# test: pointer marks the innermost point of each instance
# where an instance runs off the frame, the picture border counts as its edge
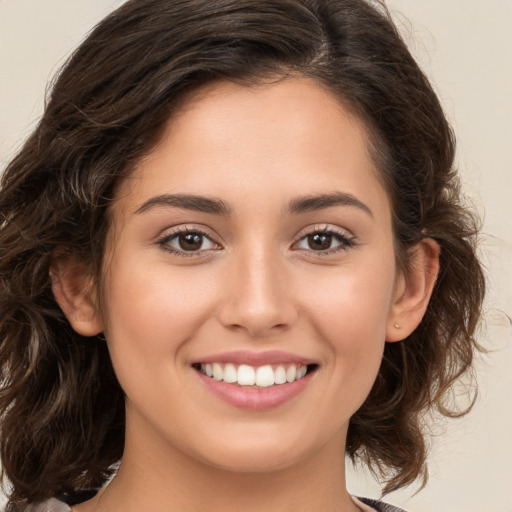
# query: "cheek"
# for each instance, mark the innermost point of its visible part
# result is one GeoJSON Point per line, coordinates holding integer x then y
{"type": "Point", "coordinates": [150, 314]}
{"type": "Point", "coordinates": [349, 310]}
{"type": "Point", "coordinates": [353, 299]}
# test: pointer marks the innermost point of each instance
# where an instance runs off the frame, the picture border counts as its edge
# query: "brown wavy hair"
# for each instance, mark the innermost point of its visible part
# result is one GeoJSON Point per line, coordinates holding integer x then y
{"type": "Point", "coordinates": [61, 407]}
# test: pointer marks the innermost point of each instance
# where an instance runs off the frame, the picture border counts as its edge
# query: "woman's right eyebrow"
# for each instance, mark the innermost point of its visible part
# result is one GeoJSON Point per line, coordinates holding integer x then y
{"type": "Point", "coordinates": [188, 202]}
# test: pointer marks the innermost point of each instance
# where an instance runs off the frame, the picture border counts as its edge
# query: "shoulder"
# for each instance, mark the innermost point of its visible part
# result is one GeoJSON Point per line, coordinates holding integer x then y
{"type": "Point", "coordinates": [378, 506]}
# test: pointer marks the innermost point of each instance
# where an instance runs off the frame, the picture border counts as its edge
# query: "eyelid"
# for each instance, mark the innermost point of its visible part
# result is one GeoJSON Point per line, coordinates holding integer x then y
{"type": "Point", "coordinates": [348, 237]}
{"type": "Point", "coordinates": [324, 228]}
{"type": "Point", "coordinates": [188, 228]}
{"type": "Point", "coordinates": [168, 235]}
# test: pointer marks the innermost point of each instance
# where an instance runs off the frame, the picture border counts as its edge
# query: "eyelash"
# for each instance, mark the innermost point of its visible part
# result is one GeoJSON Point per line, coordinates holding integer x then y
{"type": "Point", "coordinates": [345, 242]}
{"type": "Point", "coordinates": [169, 237]}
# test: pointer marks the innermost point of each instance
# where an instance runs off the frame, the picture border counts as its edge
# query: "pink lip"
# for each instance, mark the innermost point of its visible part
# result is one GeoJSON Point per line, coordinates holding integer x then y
{"type": "Point", "coordinates": [255, 399]}
{"type": "Point", "coordinates": [255, 358]}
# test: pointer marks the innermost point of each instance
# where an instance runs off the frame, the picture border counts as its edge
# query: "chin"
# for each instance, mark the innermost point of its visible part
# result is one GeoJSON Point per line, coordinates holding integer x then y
{"type": "Point", "coordinates": [248, 463]}
{"type": "Point", "coordinates": [253, 459]}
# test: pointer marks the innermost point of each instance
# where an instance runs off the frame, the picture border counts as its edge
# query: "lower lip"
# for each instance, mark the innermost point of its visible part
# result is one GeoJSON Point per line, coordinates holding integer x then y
{"type": "Point", "coordinates": [255, 399]}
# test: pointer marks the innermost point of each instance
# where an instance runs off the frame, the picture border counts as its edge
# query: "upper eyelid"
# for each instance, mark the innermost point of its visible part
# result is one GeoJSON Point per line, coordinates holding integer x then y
{"type": "Point", "coordinates": [177, 230]}
{"type": "Point", "coordinates": [346, 239]}
{"type": "Point", "coordinates": [164, 242]}
{"type": "Point", "coordinates": [319, 227]}
{"type": "Point", "coordinates": [324, 228]}
{"type": "Point", "coordinates": [170, 232]}
{"type": "Point", "coordinates": [349, 239]}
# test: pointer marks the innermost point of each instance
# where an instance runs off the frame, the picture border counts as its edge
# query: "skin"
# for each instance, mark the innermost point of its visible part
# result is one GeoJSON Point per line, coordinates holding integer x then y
{"type": "Point", "coordinates": [255, 284]}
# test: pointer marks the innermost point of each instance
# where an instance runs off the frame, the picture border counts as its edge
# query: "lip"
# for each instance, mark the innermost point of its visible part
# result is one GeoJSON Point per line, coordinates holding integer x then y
{"type": "Point", "coordinates": [249, 398]}
{"type": "Point", "coordinates": [256, 358]}
{"type": "Point", "coordinates": [255, 399]}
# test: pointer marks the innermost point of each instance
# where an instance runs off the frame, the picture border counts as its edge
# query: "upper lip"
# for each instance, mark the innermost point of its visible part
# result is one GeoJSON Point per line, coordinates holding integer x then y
{"type": "Point", "coordinates": [255, 358]}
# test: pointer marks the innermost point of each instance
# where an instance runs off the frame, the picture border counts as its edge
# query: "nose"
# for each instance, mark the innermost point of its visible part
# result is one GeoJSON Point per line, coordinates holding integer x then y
{"type": "Point", "coordinates": [258, 298]}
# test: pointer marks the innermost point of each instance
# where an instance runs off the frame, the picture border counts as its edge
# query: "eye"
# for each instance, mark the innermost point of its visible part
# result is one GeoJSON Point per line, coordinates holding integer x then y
{"type": "Point", "coordinates": [188, 241]}
{"type": "Point", "coordinates": [325, 241]}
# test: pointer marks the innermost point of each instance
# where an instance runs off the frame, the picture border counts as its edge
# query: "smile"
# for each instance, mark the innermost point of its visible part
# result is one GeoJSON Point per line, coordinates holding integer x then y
{"type": "Point", "coordinates": [258, 376]}
{"type": "Point", "coordinates": [256, 381]}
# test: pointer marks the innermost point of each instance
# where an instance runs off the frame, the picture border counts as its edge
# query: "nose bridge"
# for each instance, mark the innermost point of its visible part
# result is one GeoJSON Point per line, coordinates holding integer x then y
{"type": "Point", "coordinates": [258, 298]}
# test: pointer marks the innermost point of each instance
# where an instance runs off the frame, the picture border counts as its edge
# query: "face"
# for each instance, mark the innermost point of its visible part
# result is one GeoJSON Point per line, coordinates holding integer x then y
{"type": "Point", "coordinates": [254, 244]}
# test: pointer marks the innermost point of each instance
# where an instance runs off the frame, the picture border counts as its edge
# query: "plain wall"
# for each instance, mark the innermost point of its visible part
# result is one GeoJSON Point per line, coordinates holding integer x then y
{"type": "Point", "coordinates": [465, 46]}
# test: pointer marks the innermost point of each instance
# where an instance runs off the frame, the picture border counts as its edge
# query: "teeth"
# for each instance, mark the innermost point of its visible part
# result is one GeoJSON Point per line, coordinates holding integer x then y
{"type": "Point", "coordinates": [261, 376]}
{"type": "Point", "coordinates": [291, 373]}
{"type": "Point", "coordinates": [246, 375]}
{"type": "Point", "coordinates": [230, 374]}
{"type": "Point", "coordinates": [217, 371]}
{"type": "Point", "coordinates": [265, 376]}
{"type": "Point", "coordinates": [280, 375]}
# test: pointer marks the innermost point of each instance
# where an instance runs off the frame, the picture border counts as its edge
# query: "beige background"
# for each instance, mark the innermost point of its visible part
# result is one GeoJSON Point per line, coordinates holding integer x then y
{"type": "Point", "coordinates": [466, 48]}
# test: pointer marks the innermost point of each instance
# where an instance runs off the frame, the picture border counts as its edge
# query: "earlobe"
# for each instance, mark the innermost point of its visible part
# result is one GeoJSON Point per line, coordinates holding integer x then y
{"type": "Point", "coordinates": [413, 290]}
{"type": "Point", "coordinates": [74, 292]}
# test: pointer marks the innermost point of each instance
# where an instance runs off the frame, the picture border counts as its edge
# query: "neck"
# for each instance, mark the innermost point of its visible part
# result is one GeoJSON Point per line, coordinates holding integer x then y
{"type": "Point", "coordinates": [156, 476]}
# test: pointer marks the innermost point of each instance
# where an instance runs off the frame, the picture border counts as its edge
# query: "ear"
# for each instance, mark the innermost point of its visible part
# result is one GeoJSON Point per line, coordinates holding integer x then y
{"type": "Point", "coordinates": [75, 293]}
{"type": "Point", "coordinates": [413, 289]}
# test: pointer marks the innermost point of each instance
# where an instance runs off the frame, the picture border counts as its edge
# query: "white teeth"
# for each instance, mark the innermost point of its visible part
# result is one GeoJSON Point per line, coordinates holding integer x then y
{"type": "Point", "coordinates": [230, 373]}
{"type": "Point", "coordinates": [265, 376]}
{"type": "Point", "coordinates": [261, 376]}
{"type": "Point", "coordinates": [280, 375]}
{"type": "Point", "coordinates": [217, 371]}
{"type": "Point", "coordinates": [291, 373]}
{"type": "Point", "coordinates": [246, 375]}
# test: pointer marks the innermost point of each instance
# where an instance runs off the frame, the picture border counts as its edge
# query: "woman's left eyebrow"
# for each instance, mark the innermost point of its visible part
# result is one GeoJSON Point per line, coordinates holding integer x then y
{"type": "Point", "coordinates": [321, 201]}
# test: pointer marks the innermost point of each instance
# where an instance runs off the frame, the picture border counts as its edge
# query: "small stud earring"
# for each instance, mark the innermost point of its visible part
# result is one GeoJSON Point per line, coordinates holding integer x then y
{"type": "Point", "coordinates": [397, 325]}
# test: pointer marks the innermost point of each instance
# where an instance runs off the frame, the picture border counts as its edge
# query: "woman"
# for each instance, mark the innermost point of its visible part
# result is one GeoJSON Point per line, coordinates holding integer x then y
{"type": "Point", "coordinates": [233, 251]}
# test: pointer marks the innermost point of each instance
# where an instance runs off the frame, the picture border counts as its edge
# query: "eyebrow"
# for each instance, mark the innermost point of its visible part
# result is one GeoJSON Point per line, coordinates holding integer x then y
{"type": "Point", "coordinates": [187, 202]}
{"type": "Point", "coordinates": [218, 207]}
{"type": "Point", "coordinates": [321, 201]}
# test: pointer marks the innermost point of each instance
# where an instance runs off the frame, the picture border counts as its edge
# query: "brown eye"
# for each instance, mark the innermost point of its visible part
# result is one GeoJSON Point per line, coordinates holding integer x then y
{"type": "Point", "coordinates": [319, 241]}
{"type": "Point", "coordinates": [325, 242]}
{"type": "Point", "coordinates": [190, 241]}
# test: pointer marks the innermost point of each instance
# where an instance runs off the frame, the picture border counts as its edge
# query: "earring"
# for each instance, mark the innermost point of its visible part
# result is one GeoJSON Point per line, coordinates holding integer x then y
{"type": "Point", "coordinates": [397, 325]}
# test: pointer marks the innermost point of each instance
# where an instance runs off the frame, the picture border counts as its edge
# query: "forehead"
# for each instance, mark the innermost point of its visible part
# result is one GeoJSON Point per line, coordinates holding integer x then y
{"type": "Point", "coordinates": [292, 136]}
